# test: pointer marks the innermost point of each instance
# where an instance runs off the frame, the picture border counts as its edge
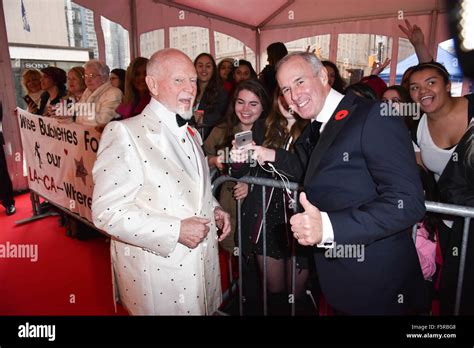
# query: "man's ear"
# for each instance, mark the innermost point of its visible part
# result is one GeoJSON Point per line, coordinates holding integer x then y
{"type": "Point", "coordinates": [152, 84]}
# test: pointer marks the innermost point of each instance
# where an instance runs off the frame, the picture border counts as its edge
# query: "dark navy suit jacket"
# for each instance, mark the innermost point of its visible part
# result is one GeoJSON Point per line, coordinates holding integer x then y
{"type": "Point", "coordinates": [363, 173]}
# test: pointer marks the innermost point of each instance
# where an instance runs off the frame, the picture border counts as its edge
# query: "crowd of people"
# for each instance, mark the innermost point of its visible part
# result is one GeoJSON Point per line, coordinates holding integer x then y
{"type": "Point", "coordinates": [353, 183]}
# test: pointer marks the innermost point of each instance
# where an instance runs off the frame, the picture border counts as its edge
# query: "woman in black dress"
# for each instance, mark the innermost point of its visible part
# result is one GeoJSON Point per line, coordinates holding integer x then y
{"type": "Point", "coordinates": [282, 129]}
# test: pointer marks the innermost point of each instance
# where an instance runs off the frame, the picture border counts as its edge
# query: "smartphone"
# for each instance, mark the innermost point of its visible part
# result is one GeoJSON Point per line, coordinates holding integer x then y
{"type": "Point", "coordinates": [28, 99]}
{"type": "Point", "coordinates": [243, 138]}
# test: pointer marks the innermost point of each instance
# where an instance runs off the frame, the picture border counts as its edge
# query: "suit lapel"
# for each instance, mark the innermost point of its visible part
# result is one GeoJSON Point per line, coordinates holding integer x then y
{"type": "Point", "coordinates": [339, 118]}
{"type": "Point", "coordinates": [159, 134]}
{"type": "Point", "coordinates": [201, 162]}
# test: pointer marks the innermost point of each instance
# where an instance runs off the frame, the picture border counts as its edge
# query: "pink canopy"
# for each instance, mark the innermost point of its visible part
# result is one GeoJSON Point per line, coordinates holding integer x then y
{"type": "Point", "coordinates": [255, 23]}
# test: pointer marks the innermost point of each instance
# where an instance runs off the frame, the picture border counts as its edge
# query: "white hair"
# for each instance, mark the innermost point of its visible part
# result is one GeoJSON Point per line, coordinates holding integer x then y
{"type": "Point", "coordinates": [311, 58]}
{"type": "Point", "coordinates": [102, 68]}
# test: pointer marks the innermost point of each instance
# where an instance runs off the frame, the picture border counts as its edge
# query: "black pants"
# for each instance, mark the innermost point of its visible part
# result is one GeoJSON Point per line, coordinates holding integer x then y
{"type": "Point", "coordinates": [6, 188]}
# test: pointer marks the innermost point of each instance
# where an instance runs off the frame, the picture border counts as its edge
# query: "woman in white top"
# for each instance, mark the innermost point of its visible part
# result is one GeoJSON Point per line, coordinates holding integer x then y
{"type": "Point", "coordinates": [444, 136]}
{"type": "Point", "coordinates": [445, 120]}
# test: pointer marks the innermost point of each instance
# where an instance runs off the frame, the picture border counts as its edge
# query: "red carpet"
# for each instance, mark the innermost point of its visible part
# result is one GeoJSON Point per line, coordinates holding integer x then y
{"type": "Point", "coordinates": [70, 277]}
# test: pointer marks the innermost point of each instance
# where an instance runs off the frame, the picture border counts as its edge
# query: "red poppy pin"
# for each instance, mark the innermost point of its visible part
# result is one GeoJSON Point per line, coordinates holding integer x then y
{"type": "Point", "coordinates": [190, 131]}
{"type": "Point", "coordinates": [341, 114]}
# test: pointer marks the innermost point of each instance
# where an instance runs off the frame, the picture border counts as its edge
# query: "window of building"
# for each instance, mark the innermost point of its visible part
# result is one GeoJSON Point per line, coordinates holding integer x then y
{"type": "Point", "coordinates": [319, 43]}
{"type": "Point", "coordinates": [179, 39]}
{"type": "Point", "coordinates": [117, 46]}
{"type": "Point", "coordinates": [152, 41]}
{"type": "Point", "coordinates": [356, 54]}
{"type": "Point", "coordinates": [229, 47]}
{"type": "Point", "coordinates": [405, 59]}
{"type": "Point", "coordinates": [446, 55]}
{"type": "Point", "coordinates": [66, 39]}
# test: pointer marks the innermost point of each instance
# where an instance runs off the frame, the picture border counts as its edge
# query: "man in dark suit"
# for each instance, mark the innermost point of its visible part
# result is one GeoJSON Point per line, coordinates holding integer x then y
{"type": "Point", "coordinates": [361, 194]}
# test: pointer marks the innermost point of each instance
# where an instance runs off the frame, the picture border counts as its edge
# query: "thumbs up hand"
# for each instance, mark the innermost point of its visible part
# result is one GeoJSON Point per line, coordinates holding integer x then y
{"type": "Point", "coordinates": [307, 227]}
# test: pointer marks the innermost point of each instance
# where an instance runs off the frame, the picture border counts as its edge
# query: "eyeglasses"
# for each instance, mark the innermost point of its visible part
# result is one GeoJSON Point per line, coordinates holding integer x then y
{"type": "Point", "coordinates": [90, 76]}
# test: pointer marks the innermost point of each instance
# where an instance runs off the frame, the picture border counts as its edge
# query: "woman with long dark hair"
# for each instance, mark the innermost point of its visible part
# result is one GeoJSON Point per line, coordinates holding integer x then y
{"type": "Point", "coordinates": [211, 98]}
{"type": "Point", "coordinates": [136, 95]}
{"type": "Point", "coordinates": [248, 106]}
{"type": "Point", "coordinates": [282, 128]}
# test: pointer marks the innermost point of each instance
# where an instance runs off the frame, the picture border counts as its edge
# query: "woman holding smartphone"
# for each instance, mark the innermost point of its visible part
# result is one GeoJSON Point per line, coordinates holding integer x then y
{"type": "Point", "coordinates": [282, 129]}
{"type": "Point", "coordinates": [31, 83]}
{"type": "Point", "coordinates": [249, 103]}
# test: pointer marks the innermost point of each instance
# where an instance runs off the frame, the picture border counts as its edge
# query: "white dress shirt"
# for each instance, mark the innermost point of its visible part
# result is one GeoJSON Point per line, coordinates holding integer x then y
{"type": "Point", "coordinates": [181, 134]}
{"type": "Point", "coordinates": [332, 101]}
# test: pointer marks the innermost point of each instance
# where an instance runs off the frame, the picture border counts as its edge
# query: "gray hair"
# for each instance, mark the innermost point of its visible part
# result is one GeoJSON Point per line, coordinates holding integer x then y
{"type": "Point", "coordinates": [311, 58]}
{"type": "Point", "coordinates": [102, 68]}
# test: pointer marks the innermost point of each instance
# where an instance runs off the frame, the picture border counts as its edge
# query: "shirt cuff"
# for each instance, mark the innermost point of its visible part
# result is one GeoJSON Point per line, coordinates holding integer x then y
{"type": "Point", "coordinates": [328, 232]}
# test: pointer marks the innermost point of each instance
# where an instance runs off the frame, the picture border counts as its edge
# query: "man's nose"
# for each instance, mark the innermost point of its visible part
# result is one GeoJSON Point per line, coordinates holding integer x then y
{"type": "Point", "coordinates": [293, 95]}
{"type": "Point", "coordinates": [190, 87]}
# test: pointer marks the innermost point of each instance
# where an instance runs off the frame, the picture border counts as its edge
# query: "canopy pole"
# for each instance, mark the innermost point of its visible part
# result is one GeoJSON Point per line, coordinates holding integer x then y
{"type": "Point", "coordinates": [333, 45]}
{"type": "Point", "coordinates": [258, 54]}
{"type": "Point", "coordinates": [100, 38]}
{"type": "Point", "coordinates": [134, 39]}
{"type": "Point", "coordinates": [394, 60]}
{"type": "Point", "coordinates": [432, 38]}
{"type": "Point", "coordinates": [11, 130]}
{"type": "Point", "coordinates": [212, 41]}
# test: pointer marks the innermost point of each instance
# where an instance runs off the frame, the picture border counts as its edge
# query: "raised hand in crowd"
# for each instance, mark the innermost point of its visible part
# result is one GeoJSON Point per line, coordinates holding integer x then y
{"type": "Point", "coordinates": [308, 48]}
{"type": "Point", "coordinates": [307, 227]}
{"type": "Point", "coordinates": [378, 67]}
{"type": "Point", "coordinates": [417, 39]}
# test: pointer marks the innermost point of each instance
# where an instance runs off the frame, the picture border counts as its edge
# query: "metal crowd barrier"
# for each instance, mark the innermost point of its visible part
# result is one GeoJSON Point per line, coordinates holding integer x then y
{"type": "Point", "coordinates": [467, 213]}
{"type": "Point", "coordinates": [263, 182]}
{"type": "Point", "coordinates": [434, 207]}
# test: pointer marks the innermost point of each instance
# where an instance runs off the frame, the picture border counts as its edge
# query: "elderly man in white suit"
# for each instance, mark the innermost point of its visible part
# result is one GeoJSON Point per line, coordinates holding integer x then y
{"type": "Point", "coordinates": [153, 196]}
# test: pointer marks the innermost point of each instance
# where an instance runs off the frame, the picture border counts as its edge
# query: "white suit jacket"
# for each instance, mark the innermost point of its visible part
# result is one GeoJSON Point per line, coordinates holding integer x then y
{"type": "Point", "coordinates": [144, 186]}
